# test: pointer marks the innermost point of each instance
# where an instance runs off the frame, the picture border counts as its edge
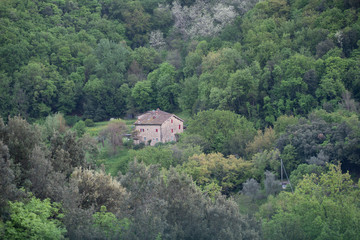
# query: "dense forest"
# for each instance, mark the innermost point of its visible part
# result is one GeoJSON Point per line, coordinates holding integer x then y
{"type": "Point", "coordinates": [259, 83]}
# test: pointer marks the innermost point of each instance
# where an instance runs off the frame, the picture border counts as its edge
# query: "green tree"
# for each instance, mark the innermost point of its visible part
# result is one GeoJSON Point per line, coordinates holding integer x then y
{"type": "Point", "coordinates": [268, 160]}
{"type": "Point", "coordinates": [20, 138]}
{"type": "Point", "coordinates": [104, 92]}
{"type": "Point", "coordinates": [218, 127]}
{"type": "Point", "coordinates": [262, 141]}
{"type": "Point", "coordinates": [189, 94]}
{"type": "Point", "coordinates": [147, 58]}
{"type": "Point", "coordinates": [283, 122]}
{"type": "Point", "coordinates": [228, 172]}
{"type": "Point", "coordinates": [79, 128]}
{"type": "Point", "coordinates": [112, 61]}
{"type": "Point", "coordinates": [143, 95]}
{"type": "Point", "coordinates": [243, 89]}
{"type": "Point", "coordinates": [67, 152]}
{"type": "Point", "coordinates": [8, 190]}
{"type": "Point", "coordinates": [153, 155]}
{"type": "Point", "coordinates": [165, 86]}
{"type": "Point", "coordinates": [39, 87]}
{"type": "Point", "coordinates": [334, 134]}
{"type": "Point", "coordinates": [53, 123]}
{"type": "Point", "coordinates": [70, 92]}
{"type": "Point", "coordinates": [99, 189]}
{"type": "Point", "coordinates": [34, 219]}
{"type": "Point", "coordinates": [108, 225]}
{"type": "Point", "coordinates": [172, 206]}
{"type": "Point", "coordinates": [322, 207]}
{"type": "Point", "coordinates": [332, 84]}
{"type": "Point", "coordinates": [137, 22]}
{"type": "Point", "coordinates": [302, 170]}
{"type": "Point", "coordinates": [6, 103]}
{"type": "Point", "coordinates": [192, 64]}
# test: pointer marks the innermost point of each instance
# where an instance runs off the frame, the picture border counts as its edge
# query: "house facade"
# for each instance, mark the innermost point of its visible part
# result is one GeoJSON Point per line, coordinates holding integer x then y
{"type": "Point", "coordinates": [157, 126]}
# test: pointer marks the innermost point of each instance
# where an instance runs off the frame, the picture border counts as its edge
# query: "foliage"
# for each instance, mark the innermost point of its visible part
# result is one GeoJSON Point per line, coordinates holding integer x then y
{"type": "Point", "coordinates": [53, 123]}
{"type": "Point", "coordinates": [20, 137]}
{"type": "Point", "coordinates": [153, 155]}
{"type": "Point", "coordinates": [233, 66]}
{"type": "Point", "coordinates": [265, 161]}
{"type": "Point", "coordinates": [67, 152]}
{"type": "Point", "coordinates": [302, 170]}
{"type": "Point", "coordinates": [251, 188]}
{"type": "Point", "coordinates": [283, 122]}
{"type": "Point", "coordinates": [170, 204]}
{"type": "Point", "coordinates": [89, 123]}
{"type": "Point", "coordinates": [228, 172]}
{"type": "Point", "coordinates": [108, 225]}
{"type": "Point", "coordinates": [98, 189]}
{"type": "Point", "coordinates": [34, 219]}
{"type": "Point", "coordinates": [271, 185]}
{"type": "Point", "coordinates": [337, 139]}
{"type": "Point", "coordinates": [113, 132]}
{"type": "Point", "coordinates": [182, 152]}
{"type": "Point", "coordinates": [8, 190]}
{"type": "Point", "coordinates": [163, 83]}
{"type": "Point", "coordinates": [323, 207]}
{"type": "Point", "coordinates": [79, 128]}
{"type": "Point", "coordinates": [262, 141]}
{"type": "Point", "coordinates": [142, 95]}
{"type": "Point", "coordinates": [261, 60]}
{"type": "Point", "coordinates": [218, 127]}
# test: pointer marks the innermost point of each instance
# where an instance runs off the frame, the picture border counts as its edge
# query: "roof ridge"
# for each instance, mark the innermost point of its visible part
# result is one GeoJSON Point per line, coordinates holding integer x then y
{"type": "Point", "coordinates": [154, 117]}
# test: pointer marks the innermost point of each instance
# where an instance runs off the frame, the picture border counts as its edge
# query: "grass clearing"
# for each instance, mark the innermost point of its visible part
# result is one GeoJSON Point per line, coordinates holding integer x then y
{"type": "Point", "coordinates": [95, 130]}
{"type": "Point", "coordinates": [112, 162]}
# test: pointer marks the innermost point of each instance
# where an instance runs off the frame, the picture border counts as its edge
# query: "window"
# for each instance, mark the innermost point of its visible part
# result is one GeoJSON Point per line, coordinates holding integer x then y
{"type": "Point", "coordinates": [144, 138]}
{"type": "Point", "coordinates": [179, 126]}
{"type": "Point", "coordinates": [172, 121]}
{"type": "Point", "coordinates": [157, 139]}
{"type": "Point", "coordinates": [156, 130]}
{"type": "Point", "coordinates": [172, 130]}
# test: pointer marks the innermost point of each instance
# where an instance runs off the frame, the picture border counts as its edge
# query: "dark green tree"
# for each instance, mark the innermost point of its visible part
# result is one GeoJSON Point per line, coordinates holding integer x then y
{"type": "Point", "coordinates": [218, 128]}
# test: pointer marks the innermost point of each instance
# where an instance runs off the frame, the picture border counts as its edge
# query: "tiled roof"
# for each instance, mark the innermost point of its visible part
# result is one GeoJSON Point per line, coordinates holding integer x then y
{"type": "Point", "coordinates": [154, 117]}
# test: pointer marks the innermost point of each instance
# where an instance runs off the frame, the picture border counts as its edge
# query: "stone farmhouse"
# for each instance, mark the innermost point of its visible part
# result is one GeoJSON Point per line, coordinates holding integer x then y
{"type": "Point", "coordinates": [157, 126]}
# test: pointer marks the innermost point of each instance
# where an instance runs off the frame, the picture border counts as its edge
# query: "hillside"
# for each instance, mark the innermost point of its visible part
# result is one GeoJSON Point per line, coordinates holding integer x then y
{"type": "Point", "coordinates": [102, 59]}
{"type": "Point", "coordinates": [269, 91]}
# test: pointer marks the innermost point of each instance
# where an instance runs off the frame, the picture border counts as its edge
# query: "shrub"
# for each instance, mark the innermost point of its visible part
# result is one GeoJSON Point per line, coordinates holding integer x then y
{"type": "Point", "coordinates": [89, 123]}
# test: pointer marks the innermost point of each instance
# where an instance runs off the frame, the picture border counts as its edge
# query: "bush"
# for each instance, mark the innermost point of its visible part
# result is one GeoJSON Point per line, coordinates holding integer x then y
{"type": "Point", "coordinates": [139, 146]}
{"type": "Point", "coordinates": [79, 128]}
{"type": "Point", "coordinates": [71, 120]}
{"type": "Point", "coordinates": [89, 123]}
{"type": "Point", "coordinates": [129, 144]}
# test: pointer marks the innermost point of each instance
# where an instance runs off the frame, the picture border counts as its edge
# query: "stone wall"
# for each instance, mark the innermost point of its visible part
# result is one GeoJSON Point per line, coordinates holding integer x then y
{"type": "Point", "coordinates": [171, 127]}
{"type": "Point", "coordinates": [149, 133]}
{"type": "Point", "coordinates": [165, 133]}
